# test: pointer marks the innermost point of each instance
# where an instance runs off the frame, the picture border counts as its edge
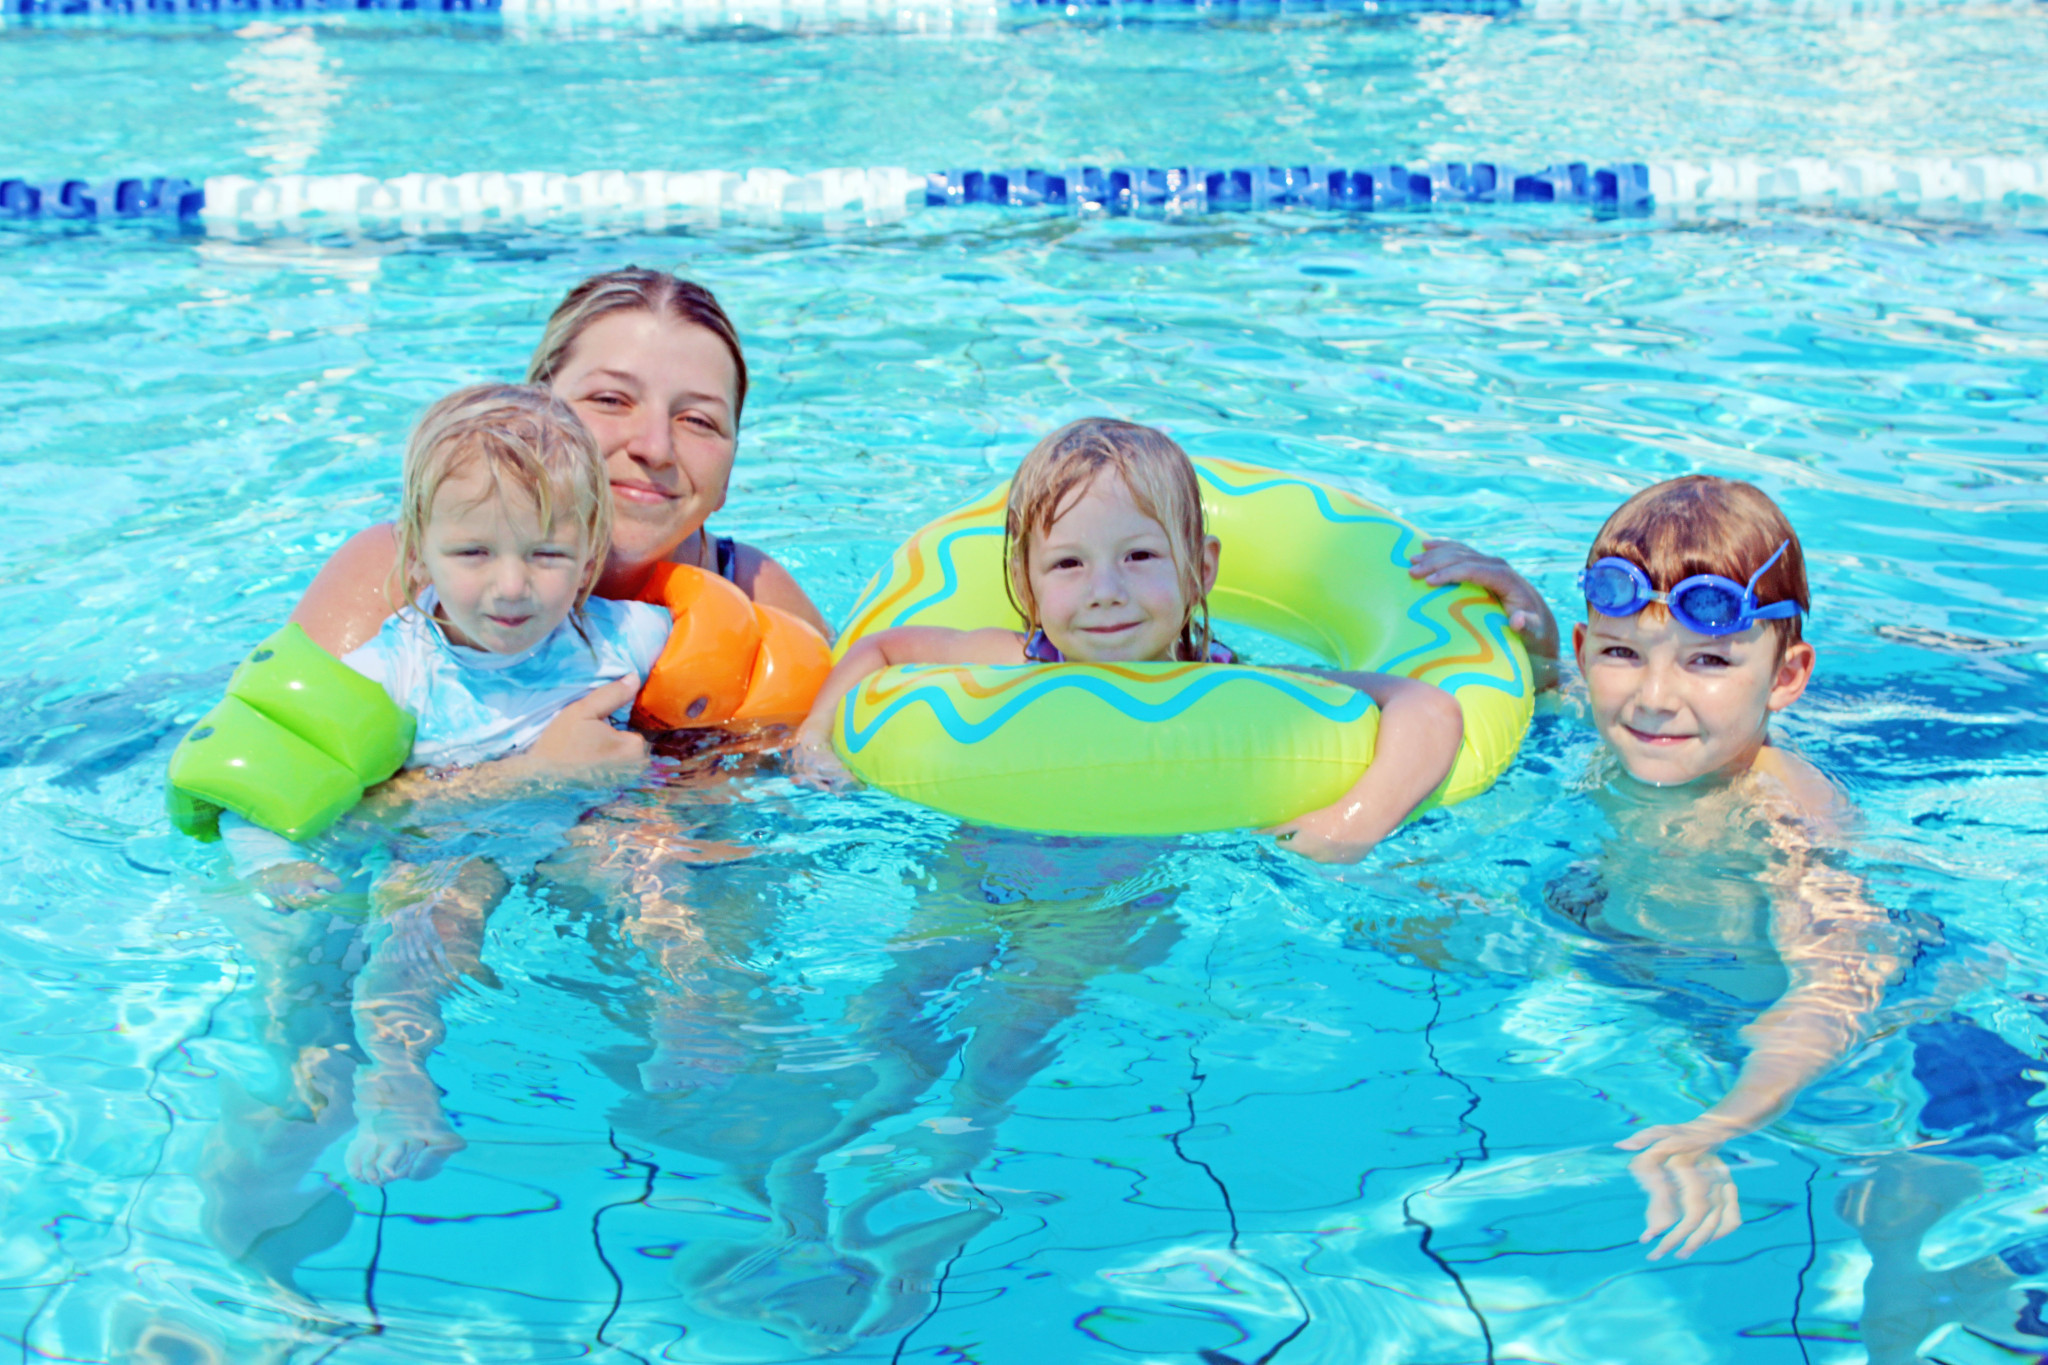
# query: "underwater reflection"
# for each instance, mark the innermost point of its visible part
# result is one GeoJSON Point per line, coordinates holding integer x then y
{"type": "Point", "coordinates": [803, 1092]}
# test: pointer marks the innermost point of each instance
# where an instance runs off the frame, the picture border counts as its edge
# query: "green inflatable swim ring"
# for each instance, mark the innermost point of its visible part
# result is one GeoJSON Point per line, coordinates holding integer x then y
{"type": "Point", "coordinates": [291, 746]}
{"type": "Point", "coordinates": [1171, 748]}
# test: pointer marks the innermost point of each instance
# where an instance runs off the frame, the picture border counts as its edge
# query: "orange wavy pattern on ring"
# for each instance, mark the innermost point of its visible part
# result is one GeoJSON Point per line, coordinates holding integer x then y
{"type": "Point", "coordinates": [1254, 471]}
{"type": "Point", "coordinates": [914, 552]}
{"type": "Point", "coordinates": [1487, 653]}
{"type": "Point", "coordinates": [875, 693]}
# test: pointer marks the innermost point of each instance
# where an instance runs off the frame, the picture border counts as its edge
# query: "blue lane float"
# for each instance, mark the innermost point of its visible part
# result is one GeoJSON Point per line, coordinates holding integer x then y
{"type": "Point", "coordinates": [159, 197]}
{"type": "Point", "coordinates": [1330, 187]}
{"type": "Point", "coordinates": [476, 200]}
{"type": "Point", "coordinates": [82, 9]}
{"type": "Point", "coordinates": [1114, 189]}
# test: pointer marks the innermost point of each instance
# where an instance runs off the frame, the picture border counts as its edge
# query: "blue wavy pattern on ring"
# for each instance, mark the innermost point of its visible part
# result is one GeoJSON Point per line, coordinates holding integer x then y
{"type": "Point", "coordinates": [1436, 628]}
{"type": "Point", "coordinates": [1496, 626]}
{"type": "Point", "coordinates": [950, 582]}
{"type": "Point", "coordinates": [963, 731]}
{"type": "Point", "coordinates": [1323, 505]}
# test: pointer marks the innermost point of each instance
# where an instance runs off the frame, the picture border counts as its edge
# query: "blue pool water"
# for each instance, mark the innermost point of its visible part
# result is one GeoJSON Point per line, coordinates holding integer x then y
{"type": "Point", "coordinates": [968, 1096]}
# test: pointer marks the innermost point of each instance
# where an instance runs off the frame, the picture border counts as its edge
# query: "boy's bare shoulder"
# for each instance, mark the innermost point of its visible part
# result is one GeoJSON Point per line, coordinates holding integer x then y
{"type": "Point", "coordinates": [1803, 788]}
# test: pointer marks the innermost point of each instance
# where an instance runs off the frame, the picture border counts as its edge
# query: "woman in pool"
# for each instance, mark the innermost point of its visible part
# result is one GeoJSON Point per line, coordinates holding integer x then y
{"type": "Point", "coordinates": [653, 366]}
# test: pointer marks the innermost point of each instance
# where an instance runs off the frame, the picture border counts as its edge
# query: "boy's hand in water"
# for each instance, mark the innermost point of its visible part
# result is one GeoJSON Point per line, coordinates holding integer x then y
{"type": "Point", "coordinates": [1446, 561]}
{"type": "Point", "coordinates": [582, 742]}
{"type": "Point", "coordinates": [1691, 1193]}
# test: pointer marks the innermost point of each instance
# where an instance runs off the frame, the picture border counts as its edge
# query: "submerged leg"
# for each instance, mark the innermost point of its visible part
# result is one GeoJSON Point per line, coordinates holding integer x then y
{"type": "Point", "coordinates": [1904, 1301]}
{"type": "Point", "coordinates": [263, 1203]}
{"type": "Point", "coordinates": [427, 935]}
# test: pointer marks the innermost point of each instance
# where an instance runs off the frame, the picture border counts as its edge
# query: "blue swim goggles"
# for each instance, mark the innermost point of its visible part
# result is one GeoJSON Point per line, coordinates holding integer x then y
{"type": "Point", "coordinates": [1706, 603]}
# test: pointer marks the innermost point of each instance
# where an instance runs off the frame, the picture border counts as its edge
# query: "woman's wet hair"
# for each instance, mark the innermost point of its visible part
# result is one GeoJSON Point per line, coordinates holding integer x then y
{"type": "Point", "coordinates": [532, 446]}
{"type": "Point", "coordinates": [1162, 483]}
{"type": "Point", "coordinates": [1703, 524]}
{"type": "Point", "coordinates": [635, 290]}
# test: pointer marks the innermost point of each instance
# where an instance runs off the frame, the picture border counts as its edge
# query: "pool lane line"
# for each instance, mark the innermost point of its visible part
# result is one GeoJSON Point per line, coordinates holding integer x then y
{"type": "Point", "coordinates": [557, 18]}
{"type": "Point", "coordinates": [627, 1161]}
{"type": "Point", "coordinates": [1458, 1161]}
{"type": "Point", "coordinates": [421, 202]}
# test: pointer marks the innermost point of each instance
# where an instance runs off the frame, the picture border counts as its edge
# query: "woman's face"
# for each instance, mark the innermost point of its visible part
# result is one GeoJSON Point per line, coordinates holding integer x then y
{"type": "Point", "coordinates": [659, 394]}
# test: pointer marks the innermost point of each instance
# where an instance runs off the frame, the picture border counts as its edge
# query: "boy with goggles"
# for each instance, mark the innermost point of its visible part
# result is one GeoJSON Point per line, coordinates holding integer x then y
{"type": "Point", "coordinates": [1731, 858]}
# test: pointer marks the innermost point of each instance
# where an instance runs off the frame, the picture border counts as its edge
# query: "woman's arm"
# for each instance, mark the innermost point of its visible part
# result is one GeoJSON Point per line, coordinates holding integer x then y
{"type": "Point", "coordinates": [768, 583]}
{"type": "Point", "coordinates": [812, 757]}
{"type": "Point", "coordinates": [346, 602]}
{"type": "Point", "coordinates": [1420, 731]}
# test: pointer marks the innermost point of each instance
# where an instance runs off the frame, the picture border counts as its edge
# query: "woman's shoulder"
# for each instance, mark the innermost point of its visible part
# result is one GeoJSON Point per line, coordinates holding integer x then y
{"type": "Point", "coordinates": [760, 576]}
{"type": "Point", "coordinates": [347, 601]}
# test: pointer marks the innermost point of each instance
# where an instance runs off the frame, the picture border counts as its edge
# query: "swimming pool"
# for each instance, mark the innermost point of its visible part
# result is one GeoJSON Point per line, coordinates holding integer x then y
{"type": "Point", "coordinates": [969, 1096]}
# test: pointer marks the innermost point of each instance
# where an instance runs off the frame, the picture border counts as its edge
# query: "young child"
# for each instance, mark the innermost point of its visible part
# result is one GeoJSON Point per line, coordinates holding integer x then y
{"type": "Point", "coordinates": [1109, 562]}
{"type": "Point", "coordinates": [1695, 592]}
{"type": "Point", "coordinates": [503, 529]}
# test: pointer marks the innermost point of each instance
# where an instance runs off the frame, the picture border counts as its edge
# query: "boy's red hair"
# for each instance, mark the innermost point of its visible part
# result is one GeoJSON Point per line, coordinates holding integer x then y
{"type": "Point", "coordinates": [1702, 524]}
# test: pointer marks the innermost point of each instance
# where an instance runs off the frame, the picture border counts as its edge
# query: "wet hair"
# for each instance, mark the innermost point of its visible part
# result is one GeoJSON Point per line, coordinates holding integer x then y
{"type": "Point", "coordinates": [1702, 524]}
{"type": "Point", "coordinates": [635, 290]}
{"type": "Point", "coordinates": [530, 442]}
{"type": "Point", "coordinates": [1162, 483]}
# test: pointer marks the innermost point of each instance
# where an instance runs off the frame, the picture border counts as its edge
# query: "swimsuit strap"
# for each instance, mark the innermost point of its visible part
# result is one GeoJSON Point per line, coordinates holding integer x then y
{"type": "Point", "coordinates": [1040, 650]}
{"type": "Point", "coordinates": [726, 557]}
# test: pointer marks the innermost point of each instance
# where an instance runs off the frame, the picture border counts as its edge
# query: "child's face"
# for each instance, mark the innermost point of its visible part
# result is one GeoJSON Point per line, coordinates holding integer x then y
{"type": "Point", "coordinates": [504, 580]}
{"type": "Point", "coordinates": [1104, 579]}
{"type": "Point", "coordinates": [1675, 705]}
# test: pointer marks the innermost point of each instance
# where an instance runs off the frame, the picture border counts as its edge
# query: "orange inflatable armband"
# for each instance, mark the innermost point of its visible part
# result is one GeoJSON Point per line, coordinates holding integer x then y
{"type": "Point", "coordinates": [729, 660]}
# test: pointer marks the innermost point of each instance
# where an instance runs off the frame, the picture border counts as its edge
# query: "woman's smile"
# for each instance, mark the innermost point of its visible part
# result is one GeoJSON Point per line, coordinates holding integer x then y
{"type": "Point", "coordinates": [644, 494]}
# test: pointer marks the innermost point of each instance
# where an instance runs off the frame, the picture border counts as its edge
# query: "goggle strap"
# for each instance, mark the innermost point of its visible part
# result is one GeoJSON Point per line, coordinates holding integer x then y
{"type": "Point", "coordinates": [1749, 588]}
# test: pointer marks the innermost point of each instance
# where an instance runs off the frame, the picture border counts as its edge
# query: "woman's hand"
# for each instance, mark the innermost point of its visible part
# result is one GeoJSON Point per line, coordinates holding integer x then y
{"type": "Point", "coordinates": [582, 742]}
{"type": "Point", "coordinates": [1446, 561]}
{"type": "Point", "coordinates": [1679, 1166]}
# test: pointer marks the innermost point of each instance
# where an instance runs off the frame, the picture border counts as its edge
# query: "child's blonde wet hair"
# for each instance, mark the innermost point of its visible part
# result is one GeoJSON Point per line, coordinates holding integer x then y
{"type": "Point", "coordinates": [1162, 482]}
{"type": "Point", "coordinates": [530, 443]}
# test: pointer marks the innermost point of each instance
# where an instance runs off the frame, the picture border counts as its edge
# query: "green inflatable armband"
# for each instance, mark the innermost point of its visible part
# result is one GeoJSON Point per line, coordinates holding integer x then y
{"type": "Point", "coordinates": [291, 746]}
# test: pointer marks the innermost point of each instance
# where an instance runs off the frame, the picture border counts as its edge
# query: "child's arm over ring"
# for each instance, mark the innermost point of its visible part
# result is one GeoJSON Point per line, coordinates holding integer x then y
{"type": "Point", "coordinates": [1446, 561]}
{"type": "Point", "coordinates": [811, 758]}
{"type": "Point", "coordinates": [1421, 728]}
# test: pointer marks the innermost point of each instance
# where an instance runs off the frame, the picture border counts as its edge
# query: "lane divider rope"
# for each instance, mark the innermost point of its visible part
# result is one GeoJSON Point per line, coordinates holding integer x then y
{"type": "Point", "coordinates": [413, 202]}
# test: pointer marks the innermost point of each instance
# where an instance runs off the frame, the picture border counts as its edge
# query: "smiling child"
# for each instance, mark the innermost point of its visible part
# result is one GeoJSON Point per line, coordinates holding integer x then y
{"type": "Point", "coordinates": [1722, 881]}
{"type": "Point", "coordinates": [1110, 562]}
